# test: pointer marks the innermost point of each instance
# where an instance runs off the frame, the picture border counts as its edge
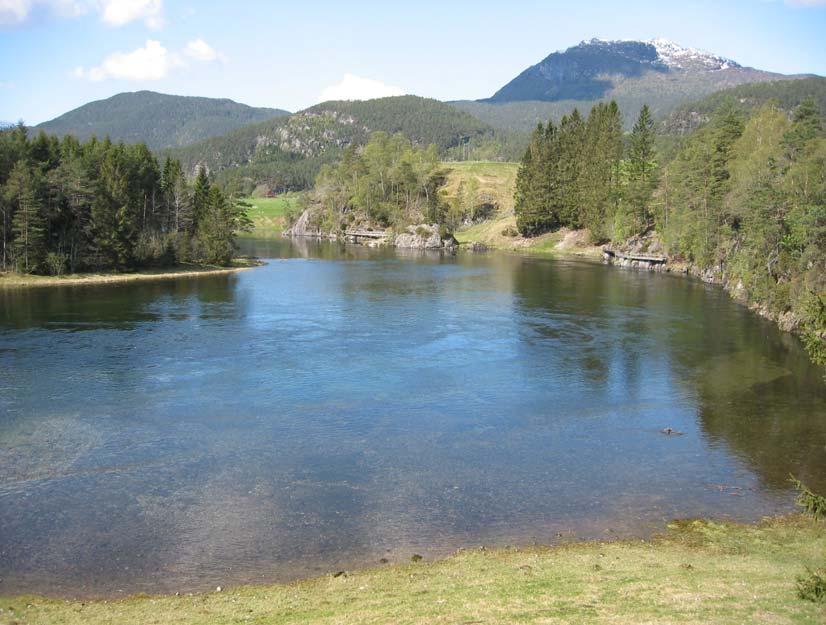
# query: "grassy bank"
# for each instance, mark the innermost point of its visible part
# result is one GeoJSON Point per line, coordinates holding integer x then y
{"type": "Point", "coordinates": [496, 183]}
{"type": "Point", "coordinates": [19, 280]}
{"type": "Point", "coordinates": [500, 233]}
{"type": "Point", "coordinates": [269, 215]}
{"type": "Point", "coordinates": [697, 572]}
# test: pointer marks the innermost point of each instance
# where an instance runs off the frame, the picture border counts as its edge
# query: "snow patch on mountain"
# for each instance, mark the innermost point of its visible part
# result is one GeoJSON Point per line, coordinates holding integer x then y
{"type": "Point", "coordinates": [677, 56]}
{"type": "Point", "coordinates": [668, 53]}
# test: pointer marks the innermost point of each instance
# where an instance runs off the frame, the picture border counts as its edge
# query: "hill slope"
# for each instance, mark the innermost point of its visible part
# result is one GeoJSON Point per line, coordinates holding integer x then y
{"type": "Point", "coordinates": [660, 73]}
{"type": "Point", "coordinates": [159, 120]}
{"type": "Point", "coordinates": [287, 152]}
{"type": "Point", "coordinates": [786, 94]}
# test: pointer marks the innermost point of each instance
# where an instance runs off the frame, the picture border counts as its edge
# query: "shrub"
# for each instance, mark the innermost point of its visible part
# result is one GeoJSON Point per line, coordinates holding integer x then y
{"type": "Point", "coordinates": [812, 586]}
{"type": "Point", "coordinates": [56, 263]}
{"type": "Point", "coordinates": [510, 231]}
{"type": "Point", "coordinates": [812, 504]}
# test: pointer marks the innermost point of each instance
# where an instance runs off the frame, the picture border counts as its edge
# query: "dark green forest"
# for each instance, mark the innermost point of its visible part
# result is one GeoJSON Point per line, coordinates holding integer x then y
{"type": "Point", "coordinates": [287, 153]}
{"type": "Point", "coordinates": [742, 200]}
{"type": "Point", "coordinates": [67, 206]}
{"type": "Point", "coordinates": [157, 119]}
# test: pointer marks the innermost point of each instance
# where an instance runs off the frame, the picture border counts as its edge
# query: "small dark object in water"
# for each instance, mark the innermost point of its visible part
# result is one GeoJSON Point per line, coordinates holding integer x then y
{"type": "Point", "coordinates": [339, 573]}
{"type": "Point", "coordinates": [384, 561]}
{"type": "Point", "coordinates": [416, 557]}
{"type": "Point", "coordinates": [670, 432]}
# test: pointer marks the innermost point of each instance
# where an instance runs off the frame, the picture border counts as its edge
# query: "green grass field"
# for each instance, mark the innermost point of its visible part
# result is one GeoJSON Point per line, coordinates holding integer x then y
{"type": "Point", "coordinates": [697, 573]}
{"type": "Point", "coordinates": [269, 214]}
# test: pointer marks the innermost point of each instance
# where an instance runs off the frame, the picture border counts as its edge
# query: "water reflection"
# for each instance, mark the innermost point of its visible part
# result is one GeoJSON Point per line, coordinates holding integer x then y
{"type": "Point", "coordinates": [312, 415]}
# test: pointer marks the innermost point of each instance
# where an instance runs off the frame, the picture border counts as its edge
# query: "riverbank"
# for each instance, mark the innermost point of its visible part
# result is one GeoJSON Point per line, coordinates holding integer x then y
{"type": "Point", "coordinates": [501, 234]}
{"type": "Point", "coordinates": [695, 572]}
{"type": "Point", "coordinates": [187, 270]}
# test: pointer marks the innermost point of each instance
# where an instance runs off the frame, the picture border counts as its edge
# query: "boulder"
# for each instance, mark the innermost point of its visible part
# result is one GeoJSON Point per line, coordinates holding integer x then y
{"type": "Point", "coordinates": [424, 237]}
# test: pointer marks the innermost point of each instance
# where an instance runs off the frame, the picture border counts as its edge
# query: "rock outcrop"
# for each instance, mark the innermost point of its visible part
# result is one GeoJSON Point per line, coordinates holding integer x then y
{"type": "Point", "coordinates": [425, 237]}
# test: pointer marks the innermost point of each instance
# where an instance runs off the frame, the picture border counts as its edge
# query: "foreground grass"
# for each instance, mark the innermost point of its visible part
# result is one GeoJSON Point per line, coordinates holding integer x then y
{"type": "Point", "coordinates": [184, 270]}
{"type": "Point", "coordinates": [699, 572]}
{"type": "Point", "coordinates": [269, 214]}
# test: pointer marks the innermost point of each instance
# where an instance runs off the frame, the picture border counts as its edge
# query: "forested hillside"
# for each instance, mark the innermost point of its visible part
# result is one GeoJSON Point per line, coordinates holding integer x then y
{"type": "Point", "coordinates": [156, 119]}
{"type": "Point", "coordinates": [743, 201]}
{"type": "Point", "coordinates": [784, 94]}
{"type": "Point", "coordinates": [288, 153]}
{"type": "Point", "coordinates": [72, 206]}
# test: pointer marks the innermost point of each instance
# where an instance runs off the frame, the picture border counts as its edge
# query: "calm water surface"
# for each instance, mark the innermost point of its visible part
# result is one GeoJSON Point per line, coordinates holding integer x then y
{"type": "Point", "coordinates": [339, 406]}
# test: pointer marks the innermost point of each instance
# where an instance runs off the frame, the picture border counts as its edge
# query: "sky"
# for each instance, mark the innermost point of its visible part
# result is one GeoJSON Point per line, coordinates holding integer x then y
{"type": "Point", "coordinates": [56, 55]}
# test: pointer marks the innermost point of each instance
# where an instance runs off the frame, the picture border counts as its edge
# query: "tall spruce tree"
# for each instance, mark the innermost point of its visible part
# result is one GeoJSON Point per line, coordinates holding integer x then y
{"type": "Point", "coordinates": [27, 224]}
{"type": "Point", "coordinates": [641, 169]}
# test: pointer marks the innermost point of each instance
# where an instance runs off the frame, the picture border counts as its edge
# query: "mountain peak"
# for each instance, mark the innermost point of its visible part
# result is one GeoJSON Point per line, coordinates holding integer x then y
{"type": "Point", "coordinates": [594, 67]}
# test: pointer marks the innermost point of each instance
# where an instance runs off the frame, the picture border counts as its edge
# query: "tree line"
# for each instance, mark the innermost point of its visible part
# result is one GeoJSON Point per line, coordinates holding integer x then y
{"type": "Point", "coordinates": [67, 205]}
{"type": "Point", "coordinates": [582, 174]}
{"type": "Point", "coordinates": [742, 198]}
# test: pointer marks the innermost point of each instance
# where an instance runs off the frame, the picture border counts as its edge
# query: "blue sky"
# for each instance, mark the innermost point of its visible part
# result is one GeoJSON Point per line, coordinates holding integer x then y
{"type": "Point", "coordinates": [58, 54]}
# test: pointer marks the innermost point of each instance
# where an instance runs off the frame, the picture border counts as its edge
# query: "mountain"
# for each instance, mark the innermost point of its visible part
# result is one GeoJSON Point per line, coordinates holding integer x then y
{"type": "Point", "coordinates": [159, 120]}
{"type": "Point", "coordinates": [659, 73]}
{"type": "Point", "coordinates": [287, 152]}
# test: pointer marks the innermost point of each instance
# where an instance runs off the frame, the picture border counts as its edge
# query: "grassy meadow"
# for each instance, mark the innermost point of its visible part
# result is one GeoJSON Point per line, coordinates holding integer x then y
{"type": "Point", "coordinates": [270, 214]}
{"type": "Point", "coordinates": [697, 572]}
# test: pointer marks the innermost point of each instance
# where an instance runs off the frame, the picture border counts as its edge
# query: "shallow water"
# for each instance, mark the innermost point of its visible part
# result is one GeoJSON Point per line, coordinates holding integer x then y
{"type": "Point", "coordinates": [342, 405]}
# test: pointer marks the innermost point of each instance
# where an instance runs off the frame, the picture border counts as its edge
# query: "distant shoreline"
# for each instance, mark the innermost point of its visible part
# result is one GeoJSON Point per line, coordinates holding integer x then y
{"type": "Point", "coordinates": [15, 280]}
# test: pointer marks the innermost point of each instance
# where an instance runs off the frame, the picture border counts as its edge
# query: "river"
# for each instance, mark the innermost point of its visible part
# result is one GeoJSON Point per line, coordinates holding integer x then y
{"type": "Point", "coordinates": [340, 405]}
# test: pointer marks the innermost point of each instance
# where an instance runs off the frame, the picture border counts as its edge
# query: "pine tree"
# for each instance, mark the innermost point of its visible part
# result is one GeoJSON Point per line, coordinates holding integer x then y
{"type": "Point", "coordinates": [200, 196]}
{"type": "Point", "coordinates": [571, 154]}
{"type": "Point", "coordinates": [641, 169]}
{"type": "Point", "coordinates": [113, 220]}
{"type": "Point", "coordinates": [27, 223]}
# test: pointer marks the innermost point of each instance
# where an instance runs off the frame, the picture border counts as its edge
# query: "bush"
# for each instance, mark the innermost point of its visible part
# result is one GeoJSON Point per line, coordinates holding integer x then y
{"type": "Point", "coordinates": [56, 263]}
{"type": "Point", "coordinates": [812, 586]}
{"type": "Point", "coordinates": [812, 504]}
{"type": "Point", "coordinates": [510, 231]}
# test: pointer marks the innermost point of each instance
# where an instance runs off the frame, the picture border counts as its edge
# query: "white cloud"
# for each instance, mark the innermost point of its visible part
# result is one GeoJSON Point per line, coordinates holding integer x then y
{"type": "Point", "coordinates": [357, 88]}
{"type": "Point", "coordinates": [120, 12]}
{"type": "Point", "coordinates": [7, 85]}
{"type": "Point", "coordinates": [807, 3]}
{"type": "Point", "coordinates": [14, 11]}
{"type": "Point", "coordinates": [151, 62]}
{"type": "Point", "coordinates": [200, 50]}
{"type": "Point", "coordinates": [111, 12]}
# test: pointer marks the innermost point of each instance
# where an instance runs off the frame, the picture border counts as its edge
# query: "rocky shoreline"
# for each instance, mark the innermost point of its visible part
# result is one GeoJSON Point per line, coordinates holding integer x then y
{"type": "Point", "coordinates": [645, 253]}
{"type": "Point", "coordinates": [413, 237]}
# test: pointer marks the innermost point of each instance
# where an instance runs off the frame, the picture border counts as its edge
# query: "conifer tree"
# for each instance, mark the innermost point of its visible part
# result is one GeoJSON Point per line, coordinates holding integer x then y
{"type": "Point", "coordinates": [200, 196]}
{"type": "Point", "coordinates": [28, 224]}
{"type": "Point", "coordinates": [641, 169]}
